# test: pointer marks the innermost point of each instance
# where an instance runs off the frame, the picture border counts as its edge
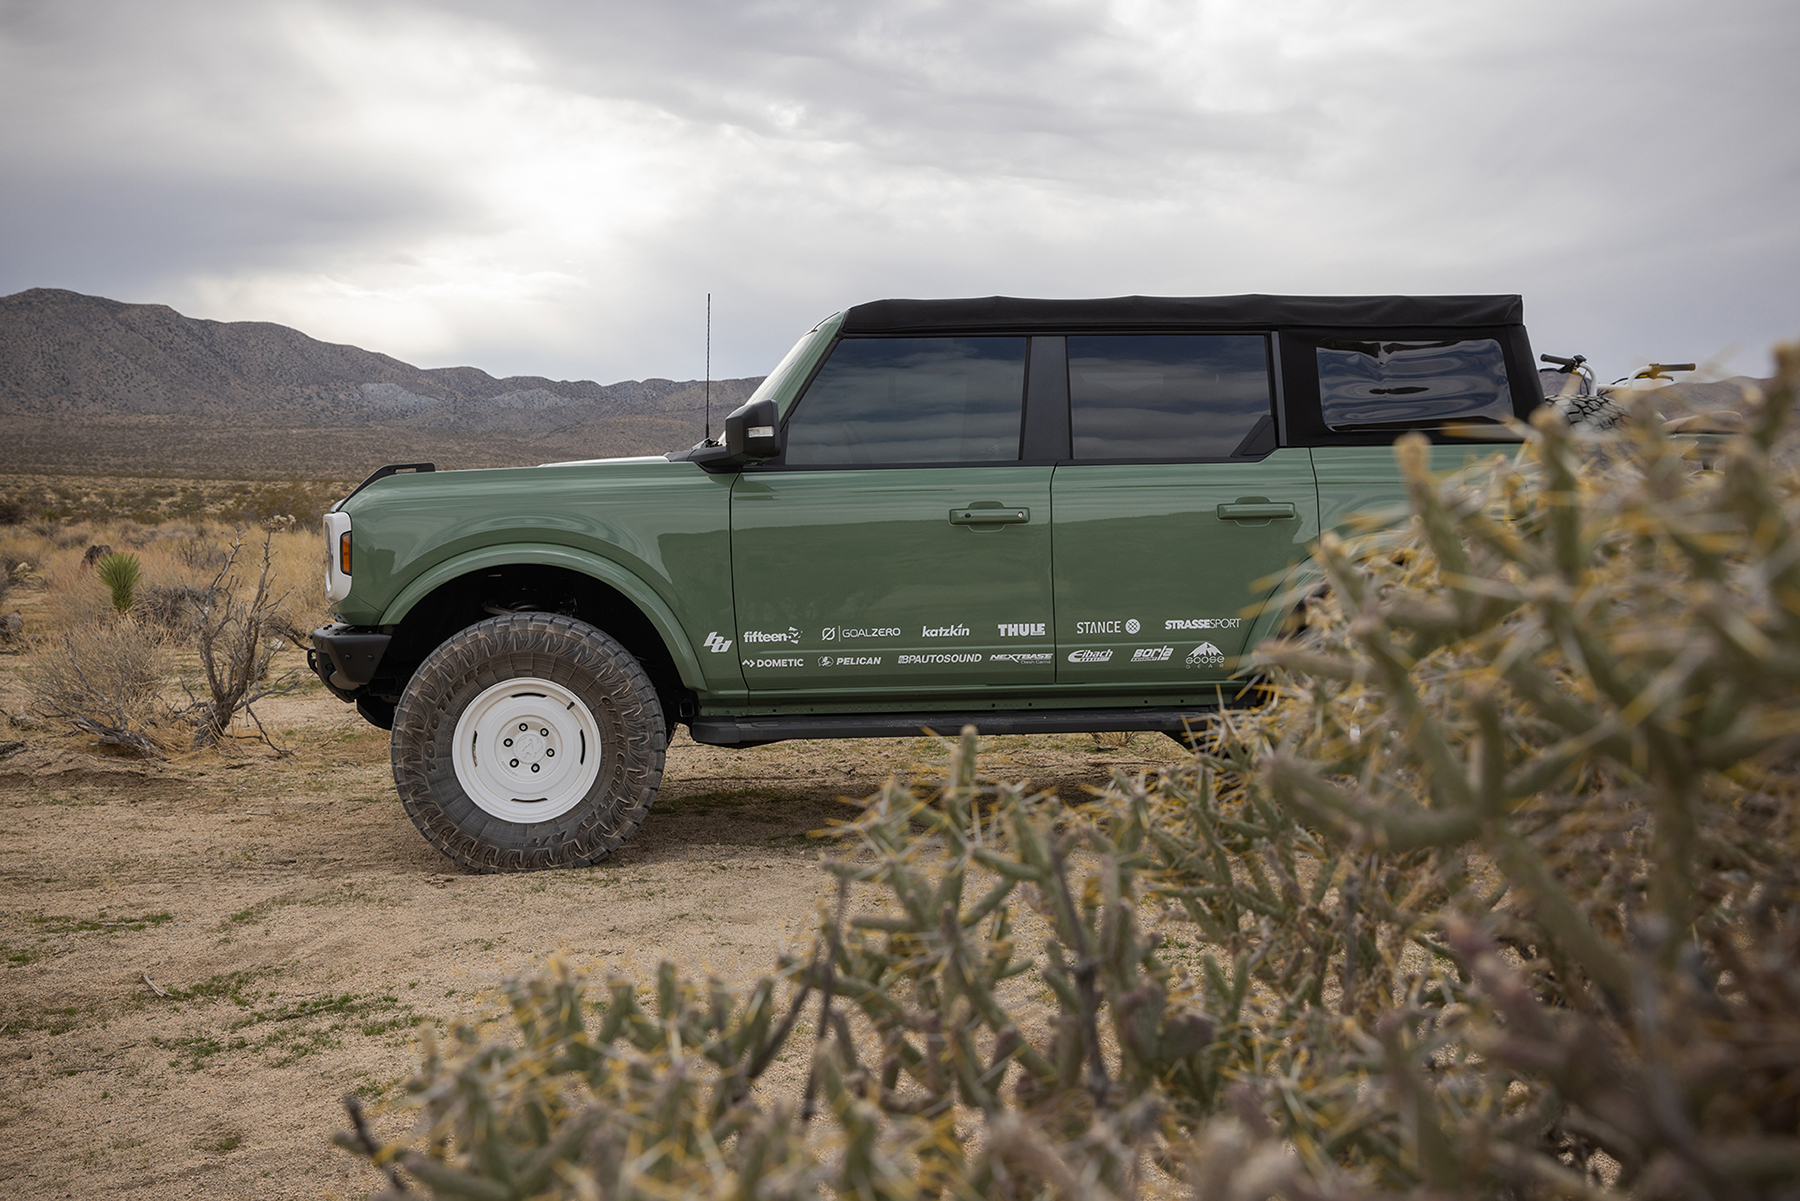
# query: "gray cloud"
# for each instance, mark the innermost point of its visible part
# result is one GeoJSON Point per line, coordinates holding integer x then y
{"type": "Point", "coordinates": [551, 189]}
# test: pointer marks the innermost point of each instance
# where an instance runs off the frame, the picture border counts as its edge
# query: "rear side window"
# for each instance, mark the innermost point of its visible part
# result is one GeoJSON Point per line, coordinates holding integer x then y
{"type": "Point", "coordinates": [1393, 384]}
{"type": "Point", "coordinates": [1168, 396]}
{"type": "Point", "coordinates": [889, 401]}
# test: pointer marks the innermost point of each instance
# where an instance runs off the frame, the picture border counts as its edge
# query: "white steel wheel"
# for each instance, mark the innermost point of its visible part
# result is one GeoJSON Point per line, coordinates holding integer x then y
{"type": "Point", "coordinates": [527, 750]}
{"type": "Point", "coordinates": [528, 741]}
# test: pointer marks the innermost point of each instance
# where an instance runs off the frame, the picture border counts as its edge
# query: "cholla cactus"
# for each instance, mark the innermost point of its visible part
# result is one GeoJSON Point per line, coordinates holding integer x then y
{"type": "Point", "coordinates": [1497, 898]}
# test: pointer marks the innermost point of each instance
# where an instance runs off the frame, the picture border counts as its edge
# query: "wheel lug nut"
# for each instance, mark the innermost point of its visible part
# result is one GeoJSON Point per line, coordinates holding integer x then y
{"type": "Point", "coordinates": [515, 763]}
{"type": "Point", "coordinates": [545, 733]}
{"type": "Point", "coordinates": [523, 726]}
{"type": "Point", "coordinates": [534, 767]}
{"type": "Point", "coordinates": [509, 742]}
{"type": "Point", "coordinates": [550, 752]}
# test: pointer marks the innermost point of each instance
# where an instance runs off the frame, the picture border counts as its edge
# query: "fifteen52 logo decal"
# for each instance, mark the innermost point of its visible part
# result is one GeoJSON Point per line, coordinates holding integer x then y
{"type": "Point", "coordinates": [788, 635]}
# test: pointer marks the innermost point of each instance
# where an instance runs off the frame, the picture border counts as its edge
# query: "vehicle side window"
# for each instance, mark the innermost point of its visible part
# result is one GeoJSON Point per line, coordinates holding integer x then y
{"type": "Point", "coordinates": [1168, 396]}
{"type": "Point", "coordinates": [1385, 384]}
{"type": "Point", "coordinates": [890, 401]}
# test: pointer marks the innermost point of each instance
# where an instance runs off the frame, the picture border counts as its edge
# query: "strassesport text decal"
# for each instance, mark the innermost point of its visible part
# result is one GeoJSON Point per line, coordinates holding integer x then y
{"type": "Point", "coordinates": [1202, 623]}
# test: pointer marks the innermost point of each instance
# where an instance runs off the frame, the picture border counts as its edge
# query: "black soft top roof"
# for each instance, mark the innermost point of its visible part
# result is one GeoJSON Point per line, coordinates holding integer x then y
{"type": "Point", "coordinates": [1254, 311]}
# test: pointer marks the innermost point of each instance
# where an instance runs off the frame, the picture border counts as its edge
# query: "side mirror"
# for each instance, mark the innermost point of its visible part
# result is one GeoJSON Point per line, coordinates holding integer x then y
{"type": "Point", "coordinates": [753, 431]}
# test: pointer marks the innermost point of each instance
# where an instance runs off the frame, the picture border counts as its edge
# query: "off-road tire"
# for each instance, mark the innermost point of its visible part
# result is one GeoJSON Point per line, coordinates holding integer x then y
{"type": "Point", "coordinates": [610, 700]}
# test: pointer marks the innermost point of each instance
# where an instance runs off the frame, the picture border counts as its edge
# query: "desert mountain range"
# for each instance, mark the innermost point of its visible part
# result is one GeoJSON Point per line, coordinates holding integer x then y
{"type": "Point", "coordinates": [95, 385]}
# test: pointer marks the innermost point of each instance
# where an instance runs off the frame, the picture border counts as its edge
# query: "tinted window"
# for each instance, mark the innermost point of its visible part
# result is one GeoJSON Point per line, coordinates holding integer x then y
{"type": "Point", "coordinates": [1166, 396]}
{"type": "Point", "coordinates": [912, 400]}
{"type": "Point", "coordinates": [1369, 384]}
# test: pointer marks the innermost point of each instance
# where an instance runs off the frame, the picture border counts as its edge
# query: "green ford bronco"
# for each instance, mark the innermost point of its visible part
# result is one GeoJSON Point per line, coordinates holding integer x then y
{"type": "Point", "coordinates": [1029, 515]}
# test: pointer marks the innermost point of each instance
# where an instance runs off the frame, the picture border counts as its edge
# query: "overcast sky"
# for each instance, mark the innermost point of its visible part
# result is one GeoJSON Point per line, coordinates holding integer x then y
{"type": "Point", "coordinates": [551, 187]}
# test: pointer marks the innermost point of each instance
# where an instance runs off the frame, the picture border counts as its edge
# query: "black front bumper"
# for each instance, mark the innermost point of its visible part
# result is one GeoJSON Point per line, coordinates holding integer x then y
{"type": "Point", "coordinates": [346, 657]}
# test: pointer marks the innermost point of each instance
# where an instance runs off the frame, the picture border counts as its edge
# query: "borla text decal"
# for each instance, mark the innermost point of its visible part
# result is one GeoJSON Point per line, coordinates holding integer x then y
{"type": "Point", "coordinates": [1152, 654]}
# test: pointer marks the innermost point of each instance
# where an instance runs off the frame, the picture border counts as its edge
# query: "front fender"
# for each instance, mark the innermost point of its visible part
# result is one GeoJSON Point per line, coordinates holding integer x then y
{"type": "Point", "coordinates": [633, 588]}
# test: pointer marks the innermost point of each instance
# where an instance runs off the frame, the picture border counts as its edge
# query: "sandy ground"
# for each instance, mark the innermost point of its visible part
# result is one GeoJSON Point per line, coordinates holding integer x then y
{"type": "Point", "coordinates": [305, 933]}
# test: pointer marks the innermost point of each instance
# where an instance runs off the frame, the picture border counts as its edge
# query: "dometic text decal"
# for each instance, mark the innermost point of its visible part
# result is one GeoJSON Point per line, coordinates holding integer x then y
{"type": "Point", "coordinates": [940, 658]}
{"type": "Point", "coordinates": [1202, 623]}
{"type": "Point", "coordinates": [1026, 630]}
{"type": "Point", "coordinates": [1090, 656]}
{"type": "Point", "coordinates": [954, 631]}
{"type": "Point", "coordinates": [774, 662]}
{"type": "Point", "coordinates": [716, 644]}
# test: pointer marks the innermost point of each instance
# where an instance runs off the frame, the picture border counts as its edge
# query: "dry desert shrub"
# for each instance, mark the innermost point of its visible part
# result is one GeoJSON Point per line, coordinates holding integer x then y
{"type": "Point", "coordinates": [104, 678]}
{"type": "Point", "coordinates": [1496, 899]}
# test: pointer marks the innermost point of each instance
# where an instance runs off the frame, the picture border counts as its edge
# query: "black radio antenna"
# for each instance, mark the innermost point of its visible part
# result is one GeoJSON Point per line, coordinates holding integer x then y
{"type": "Point", "coordinates": [709, 366]}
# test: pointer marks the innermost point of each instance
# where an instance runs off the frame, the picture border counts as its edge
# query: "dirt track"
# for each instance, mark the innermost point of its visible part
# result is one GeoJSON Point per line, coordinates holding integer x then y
{"type": "Point", "coordinates": [305, 932]}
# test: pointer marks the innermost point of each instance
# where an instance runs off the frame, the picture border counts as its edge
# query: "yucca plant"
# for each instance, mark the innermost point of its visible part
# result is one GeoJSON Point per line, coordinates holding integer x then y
{"type": "Point", "coordinates": [120, 573]}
